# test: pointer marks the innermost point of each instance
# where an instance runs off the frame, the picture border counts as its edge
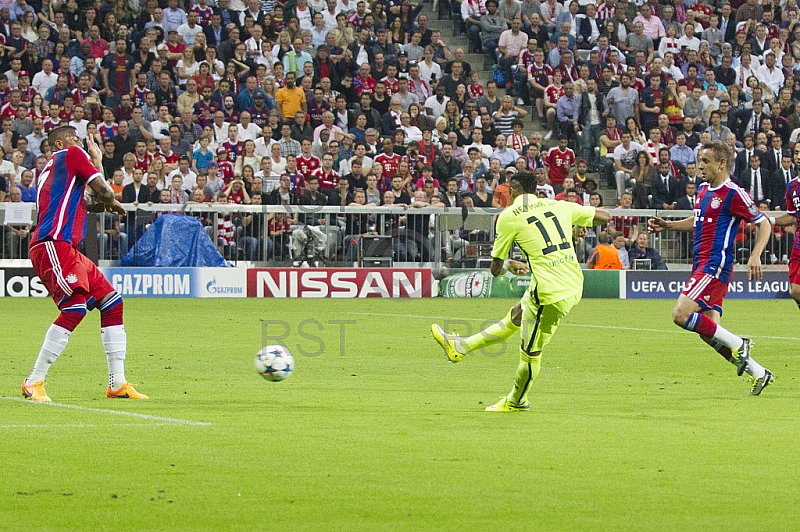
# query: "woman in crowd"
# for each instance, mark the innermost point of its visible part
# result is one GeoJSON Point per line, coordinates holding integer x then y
{"type": "Point", "coordinates": [451, 115]}
{"type": "Point", "coordinates": [248, 157]}
{"type": "Point", "coordinates": [636, 134]}
{"type": "Point", "coordinates": [187, 67]}
{"type": "Point", "coordinates": [736, 99]}
{"type": "Point", "coordinates": [673, 102]}
{"type": "Point", "coordinates": [440, 132]}
{"type": "Point", "coordinates": [416, 118]}
{"type": "Point", "coordinates": [157, 167]}
{"type": "Point", "coordinates": [642, 175]}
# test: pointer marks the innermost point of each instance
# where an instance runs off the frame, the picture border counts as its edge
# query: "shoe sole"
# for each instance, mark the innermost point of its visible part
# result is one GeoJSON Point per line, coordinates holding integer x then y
{"type": "Point", "coordinates": [441, 338]}
{"type": "Point", "coordinates": [512, 409]}
{"type": "Point", "coordinates": [32, 398]}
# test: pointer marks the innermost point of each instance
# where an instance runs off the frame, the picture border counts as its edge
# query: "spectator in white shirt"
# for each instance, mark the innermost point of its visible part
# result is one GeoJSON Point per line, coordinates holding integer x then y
{"type": "Point", "coordinates": [247, 129]}
{"type": "Point", "coordinates": [45, 78]}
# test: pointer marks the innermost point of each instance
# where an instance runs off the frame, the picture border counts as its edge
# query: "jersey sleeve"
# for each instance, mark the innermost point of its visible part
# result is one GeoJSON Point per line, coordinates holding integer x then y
{"type": "Point", "coordinates": [582, 216]}
{"type": "Point", "coordinates": [790, 208]}
{"type": "Point", "coordinates": [504, 236]}
{"type": "Point", "coordinates": [80, 166]}
{"type": "Point", "coordinates": [743, 206]}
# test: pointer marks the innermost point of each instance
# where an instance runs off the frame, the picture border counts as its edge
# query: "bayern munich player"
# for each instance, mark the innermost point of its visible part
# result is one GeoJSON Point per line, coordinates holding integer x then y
{"type": "Point", "coordinates": [792, 218]}
{"type": "Point", "coordinates": [73, 281]}
{"type": "Point", "coordinates": [720, 206]}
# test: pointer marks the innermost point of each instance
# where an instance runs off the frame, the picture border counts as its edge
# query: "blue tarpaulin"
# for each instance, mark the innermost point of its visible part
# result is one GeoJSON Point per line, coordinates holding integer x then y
{"type": "Point", "coordinates": [174, 240]}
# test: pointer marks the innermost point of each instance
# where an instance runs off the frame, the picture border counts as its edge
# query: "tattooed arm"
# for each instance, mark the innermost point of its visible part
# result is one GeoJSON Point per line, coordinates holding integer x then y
{"type": "Point", "coordinates": [105, 193]}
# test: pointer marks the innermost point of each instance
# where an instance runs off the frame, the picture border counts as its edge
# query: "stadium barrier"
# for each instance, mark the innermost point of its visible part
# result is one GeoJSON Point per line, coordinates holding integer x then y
{"type": "Point", "coordinates": [374, 237]}
{"type": "Point", "coordinates": [366, 252]}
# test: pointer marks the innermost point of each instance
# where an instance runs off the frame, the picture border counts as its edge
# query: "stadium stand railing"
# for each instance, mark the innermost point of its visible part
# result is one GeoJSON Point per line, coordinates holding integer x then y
{"type": "Point", "coordinates": [375, 236]}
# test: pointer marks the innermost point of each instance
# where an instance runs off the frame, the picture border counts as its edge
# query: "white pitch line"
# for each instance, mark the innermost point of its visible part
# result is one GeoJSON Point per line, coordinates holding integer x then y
{"type": "Point", "coordinates": [589, 326]}
{"type": "Point", "coordinates": [148, 417]}
{"type": "Point", "coordinates": [76, 425]}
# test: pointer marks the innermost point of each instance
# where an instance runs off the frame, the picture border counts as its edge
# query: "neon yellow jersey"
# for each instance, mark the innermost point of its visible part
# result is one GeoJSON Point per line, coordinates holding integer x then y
{"type": "Point", "coordinates": [542, 229]}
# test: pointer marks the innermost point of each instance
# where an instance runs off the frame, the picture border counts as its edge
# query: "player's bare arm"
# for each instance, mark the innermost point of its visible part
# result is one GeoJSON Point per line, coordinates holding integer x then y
{"type": "Point", "coordinates": [105, 193]}
{"type": "Point", "coordinates": [754, 262]}
{"type": "Point", "coordinates": [657, 225]}
{"type": "Point", "coordinates": [601, 216]}
{"type": "Point", "coordinates": [500, 266]}
{"type": "Point", "coordinates": [783, 220]}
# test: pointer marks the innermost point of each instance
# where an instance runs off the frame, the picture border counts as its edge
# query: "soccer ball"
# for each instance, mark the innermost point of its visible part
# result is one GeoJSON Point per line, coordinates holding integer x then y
{"type": "Point", "coordinates": [274, 363]}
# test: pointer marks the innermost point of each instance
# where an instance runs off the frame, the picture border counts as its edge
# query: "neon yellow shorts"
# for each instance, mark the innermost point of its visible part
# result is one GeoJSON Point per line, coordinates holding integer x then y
{"type": "Point", "coordinates": [539, 322]}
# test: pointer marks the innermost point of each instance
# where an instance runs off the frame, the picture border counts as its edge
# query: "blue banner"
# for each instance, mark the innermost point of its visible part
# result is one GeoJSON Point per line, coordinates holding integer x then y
{"type": "Point", "coordinates": [669, 285]}
{"type": "Point", "coordinates": [178, 282]}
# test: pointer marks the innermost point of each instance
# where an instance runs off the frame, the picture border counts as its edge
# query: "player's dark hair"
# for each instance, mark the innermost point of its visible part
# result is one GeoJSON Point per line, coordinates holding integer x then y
{"type": "Point", "coordinates": [524, 182]}
{"type": "Point", "coordinates": [59, 133]}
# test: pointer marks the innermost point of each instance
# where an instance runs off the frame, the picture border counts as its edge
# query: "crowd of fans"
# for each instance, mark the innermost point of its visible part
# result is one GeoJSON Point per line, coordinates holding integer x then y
{"type": "Point", "coordinates": [261, 101]}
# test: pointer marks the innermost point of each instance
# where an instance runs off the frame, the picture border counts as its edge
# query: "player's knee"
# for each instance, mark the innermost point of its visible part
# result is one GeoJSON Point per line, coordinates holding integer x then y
{"type": "Point", "coordinates": [73, 310]}
{"type": "Point", "coordinates": [111, 310]}
{"type": "Point", "coordinates": [680, 316]}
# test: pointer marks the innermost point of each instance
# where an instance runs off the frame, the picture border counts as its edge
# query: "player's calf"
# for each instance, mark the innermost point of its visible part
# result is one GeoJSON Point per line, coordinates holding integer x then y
{"type": "Point", "coordinates": [73, 310]}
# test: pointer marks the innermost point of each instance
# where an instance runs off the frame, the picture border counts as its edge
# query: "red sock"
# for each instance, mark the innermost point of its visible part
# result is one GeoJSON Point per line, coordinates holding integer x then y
{"type": "Point", "coordinates": [69, 320]}
{"type": "Point", "coordinates": [112, 316]}
{"type": "Point", "coordinates": [701, 324]}
{"type": "Point", "coordinates": [706, 327]}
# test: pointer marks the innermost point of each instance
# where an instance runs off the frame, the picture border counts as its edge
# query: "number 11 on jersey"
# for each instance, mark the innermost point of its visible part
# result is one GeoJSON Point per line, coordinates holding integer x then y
{"type": "Point", "coordinates": [551, 247]}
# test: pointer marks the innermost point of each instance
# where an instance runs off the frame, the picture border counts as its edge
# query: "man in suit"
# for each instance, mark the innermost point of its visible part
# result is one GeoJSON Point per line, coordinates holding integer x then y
{"type": "Point", "coordinates": [781, 177]}
{"type": "Point", "coordinates": [727, 24]}
{"type": "Point", "coordinates": [588, 28]}
{"type": "Point", "coordinates": [742, 163]}
{"type": "Point", "coordinates": [691, 178]}
{"type": "Point", "coordinates": [758, 181]}
{"type": "Point", "coordinates": [391, 119]}
{"type": "Point", "coordinates": [750, 119]}
{"type": "Point", "coordinates": [665, 189]}
{"type": "Point", "coordinates": [139, 193]}
{"type": "Point", "coordinates": [216, 33]}
{"type": "Point", "coordinates": [686, 202]}
{"type": "Point", "coordinates": [228, 48]}
{"type": "Point", "coordinates": [771, 160]}
{"type": "Point", "coordinates": [230, 18]}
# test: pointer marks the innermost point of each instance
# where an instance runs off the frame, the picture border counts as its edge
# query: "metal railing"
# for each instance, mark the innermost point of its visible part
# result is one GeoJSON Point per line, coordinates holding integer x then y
{"type": "Point", "coordinates": [375, 236]}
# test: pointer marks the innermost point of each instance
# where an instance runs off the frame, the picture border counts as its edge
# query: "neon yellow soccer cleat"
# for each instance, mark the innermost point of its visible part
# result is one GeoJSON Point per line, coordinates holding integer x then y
{"type": "Point", "coordinates": [504, 405]}
{"type": "Point", "coordinates": [447, 344]}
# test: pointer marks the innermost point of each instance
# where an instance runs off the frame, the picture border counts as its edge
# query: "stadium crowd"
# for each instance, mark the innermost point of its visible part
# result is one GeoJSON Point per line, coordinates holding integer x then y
{"type": "Point", "coordinates": [334, 102]}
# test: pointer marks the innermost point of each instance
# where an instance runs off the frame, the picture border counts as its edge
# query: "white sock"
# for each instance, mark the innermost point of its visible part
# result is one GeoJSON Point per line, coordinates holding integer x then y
{"type": "Point", "coordinates": [115, 342]}
{"type": "Point", "coordinates": [55, 340]}
{"type": "Point", "coordinates": [728, 338]}
{"type": "Point", "coordinates": [754, 369]}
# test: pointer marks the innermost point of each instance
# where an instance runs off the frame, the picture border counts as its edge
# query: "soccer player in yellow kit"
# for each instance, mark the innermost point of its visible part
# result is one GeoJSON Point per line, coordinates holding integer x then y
{"type": "Point", "coordinates": [542, 229]}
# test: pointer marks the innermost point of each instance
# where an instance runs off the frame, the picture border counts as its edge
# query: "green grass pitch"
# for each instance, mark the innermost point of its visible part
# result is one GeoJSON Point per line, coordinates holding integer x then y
{"type": "Point", "coordinates": [633, 428]}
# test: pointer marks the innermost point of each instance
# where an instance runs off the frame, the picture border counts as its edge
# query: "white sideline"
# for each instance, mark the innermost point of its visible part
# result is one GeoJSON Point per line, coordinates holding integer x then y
{"type": "Point", "coordinates": [148, 417]}
{"type": "Point", "coordinates": [76, 425]}
{"type": "Point", "coordinates": [588, 326]}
